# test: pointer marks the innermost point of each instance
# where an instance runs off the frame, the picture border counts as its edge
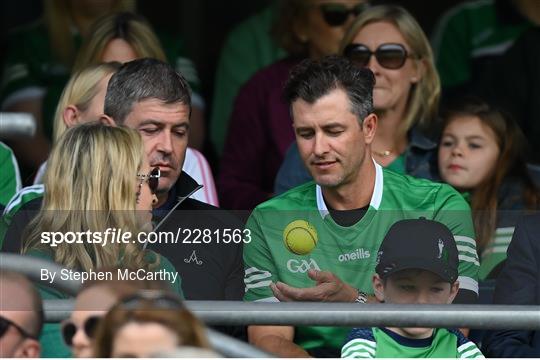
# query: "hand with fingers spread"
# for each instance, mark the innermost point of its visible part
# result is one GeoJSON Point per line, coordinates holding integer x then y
{"type": "Point", "coordinates": [329, 288]}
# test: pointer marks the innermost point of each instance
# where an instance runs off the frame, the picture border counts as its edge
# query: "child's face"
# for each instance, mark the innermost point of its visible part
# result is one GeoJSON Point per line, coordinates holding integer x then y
{"type": "Point", "coordinates": [468, 152]}
{"type": "Point", "coordinates": [414, 286]}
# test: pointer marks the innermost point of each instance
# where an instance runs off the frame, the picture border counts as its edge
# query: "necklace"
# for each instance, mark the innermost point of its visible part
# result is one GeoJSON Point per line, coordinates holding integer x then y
{"type": "Point", "coordinates": [383, 154]}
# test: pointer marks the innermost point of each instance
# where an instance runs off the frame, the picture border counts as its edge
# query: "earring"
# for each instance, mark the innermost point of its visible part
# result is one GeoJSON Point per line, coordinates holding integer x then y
{"type": "Point", "coordinates": [154, 199]}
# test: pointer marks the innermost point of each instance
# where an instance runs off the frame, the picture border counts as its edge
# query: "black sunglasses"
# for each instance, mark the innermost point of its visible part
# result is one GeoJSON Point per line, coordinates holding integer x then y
{"type": "Point", "coordinates": [152, 178]}
{"type": "Point", "coordinates": [69, 329]}
{"type": "Point", "coordinates": [156, 298]}
{"type": "Point", "coordinates": [6, 323]}
{"type": "Point", "coordinates": [338, 14]}
{"type": "Point", "coordinates": [389, 56]}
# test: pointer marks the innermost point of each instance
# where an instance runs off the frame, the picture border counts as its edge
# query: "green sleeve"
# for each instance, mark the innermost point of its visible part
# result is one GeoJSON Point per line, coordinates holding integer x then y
{"type": "Point", "coordinates": [455, 213]}
{"type": "Point", "coordinates": [452, 48]}
{"type": "Point", "coordinates": [166, 265]}
{"type": "Point", "coordinates": [247, 49]}
{"type": "Point", "coordinates": [259, 266]}
{"type": "Point", "coordinates": [10, 182]}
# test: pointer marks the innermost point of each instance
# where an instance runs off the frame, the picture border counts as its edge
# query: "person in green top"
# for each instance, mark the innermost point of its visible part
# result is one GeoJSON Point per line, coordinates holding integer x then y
{"type": "Point", "coordinates": [425, 272]}
{"type": "Point", "coordinates": [483, 153]}
{"type": "Point", "coordinates": [10, 183]}
{"type": "Point", "coordinates": [390, 42]}
{"type": "Point", "coordinates": [97, 178]}
{"type": "Point", "coordinates": [40, 57]}
{"type": "Point", "coordinates": [318, 242]}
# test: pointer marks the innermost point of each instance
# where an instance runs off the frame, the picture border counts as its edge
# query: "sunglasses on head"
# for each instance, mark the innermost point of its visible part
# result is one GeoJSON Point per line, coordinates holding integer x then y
{"type": "Point", "coordinates": [152, 178]}
{"type": "Point", "coordinates": [389, 56]}
{"type": "Point", "coordinates": [338, 14]}
{"type": "Point", "coordinates": [6, 323]}
{"type": "Point", "coordinates": [155, 298]}
{"type": "Point", "coordinates": [69, 329]}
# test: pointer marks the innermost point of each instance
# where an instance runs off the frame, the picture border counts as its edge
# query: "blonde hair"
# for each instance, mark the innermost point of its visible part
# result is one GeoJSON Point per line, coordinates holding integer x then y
{"type": "Point", "coordinates": [80, 90]}
{"type": "Point", "coordinates": [423, 102]}
{"type": "Point", "coordinates": [90, 185]}
{"type": "Point", "coordinates": [57, 18]}
{"type": "Point", "coordinates": [127, 26]}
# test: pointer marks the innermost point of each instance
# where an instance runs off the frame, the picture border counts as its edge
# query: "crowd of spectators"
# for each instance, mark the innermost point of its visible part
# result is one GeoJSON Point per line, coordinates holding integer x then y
{"type": "Point", "coordinates": [359, 162]}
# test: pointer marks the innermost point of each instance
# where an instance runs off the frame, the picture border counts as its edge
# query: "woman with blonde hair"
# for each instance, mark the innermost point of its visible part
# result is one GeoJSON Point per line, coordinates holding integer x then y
{"type": "Point", "coordinates": [391, 43]}
{"type": "Point", "coordinates": [147, 324]}
{"type": "Point", "coordinates": [126, 36]}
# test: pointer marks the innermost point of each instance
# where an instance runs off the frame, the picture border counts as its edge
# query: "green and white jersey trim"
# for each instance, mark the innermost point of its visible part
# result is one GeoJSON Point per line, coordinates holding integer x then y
{"type": "Point", "coordinates": [25, 195]}
{"type": "Point", "coordinates": [359, 348]}
{"type": "Point", "coordinates": [376, 198]}
{"type": "Point", "coordinates": [469, 351]}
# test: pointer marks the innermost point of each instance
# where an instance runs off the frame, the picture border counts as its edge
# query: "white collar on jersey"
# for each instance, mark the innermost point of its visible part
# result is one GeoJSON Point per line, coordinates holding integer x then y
{"type": "Point", "coordinates": [376, 198]}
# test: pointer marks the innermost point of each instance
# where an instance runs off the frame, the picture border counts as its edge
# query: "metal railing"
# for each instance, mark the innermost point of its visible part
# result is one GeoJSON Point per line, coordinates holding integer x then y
{"type": "Point", "coordinates": [16, 125]}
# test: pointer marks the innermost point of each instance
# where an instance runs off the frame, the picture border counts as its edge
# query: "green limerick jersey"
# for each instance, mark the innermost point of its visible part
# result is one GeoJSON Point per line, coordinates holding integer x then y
{"type": "Point", "coordinates": [10, 181]}
{"type": "Point", "coordinates": [348, 252]}
{"type": "Point", "coordinates": [370, 343]}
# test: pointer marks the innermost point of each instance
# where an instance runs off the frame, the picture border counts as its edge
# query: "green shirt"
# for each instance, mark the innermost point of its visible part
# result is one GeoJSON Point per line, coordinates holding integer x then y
{"type": "Point", "coordinates": [495, 251]}
{"type": "Point", "coordinates": [31, 69]}
{"type": "Point", "coordinates": [371, 343]}
{"type": "Point", "coordinates": [469, 31]}
{"type": "Point", "coordinates": [10, 181]}
{"type": "Point", "coordinates": [398, 165]}
{"type": "Point", "coordinates": [348, 252]}
{"type": "Point", "coordinates": [248, 48]}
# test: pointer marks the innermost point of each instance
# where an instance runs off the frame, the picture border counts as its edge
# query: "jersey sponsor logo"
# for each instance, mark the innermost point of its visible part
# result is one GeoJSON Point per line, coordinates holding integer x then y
{"type": "Point", "coordinates": [358, 254]}
{"type": "Point", "coordinates": [302, 266]}
{"type": "Point", "coordinates": [193, 259]}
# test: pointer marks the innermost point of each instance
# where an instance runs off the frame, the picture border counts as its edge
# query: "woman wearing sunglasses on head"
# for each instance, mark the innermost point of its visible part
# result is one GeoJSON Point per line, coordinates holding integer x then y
{"type": "Point", "coordinates": [389, 41]}
{"type": "Point", "coordinates": [97, 178]}
{"type": "Point", "coordinates": [260, 130]}
{"type": "Point", "coordinates": [150, 323]}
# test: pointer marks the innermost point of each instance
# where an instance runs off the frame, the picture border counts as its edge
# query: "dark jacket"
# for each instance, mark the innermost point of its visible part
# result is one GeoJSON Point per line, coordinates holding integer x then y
{"type": "Point", "coordinates": [209, 271]}
{"type": "Point", "coordinates": [518, 284]}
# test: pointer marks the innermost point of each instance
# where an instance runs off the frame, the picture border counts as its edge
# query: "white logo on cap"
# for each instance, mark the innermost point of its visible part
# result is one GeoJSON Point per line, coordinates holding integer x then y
{"type": "Point", "coordinates": [441, 247]}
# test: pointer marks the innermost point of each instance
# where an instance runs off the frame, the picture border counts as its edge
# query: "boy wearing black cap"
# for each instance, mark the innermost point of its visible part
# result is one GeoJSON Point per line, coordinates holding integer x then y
{"type": "Point", "coordinates": [417, 263]}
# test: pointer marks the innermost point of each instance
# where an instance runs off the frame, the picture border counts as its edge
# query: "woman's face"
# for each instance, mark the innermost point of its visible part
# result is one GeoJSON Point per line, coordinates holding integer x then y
{"type": "Point", "coordinates": [322, 38]}
{"type": "Point", "coordinates": [118, 50]}
{"type": "Point", "coordinates": [392, 86]}
{"type": "Point", "coordinates": [91, 303]}
{"type": "Point", "coordinates": [468, 152]}
{"type": "Point", "coordinates": [137, 339]}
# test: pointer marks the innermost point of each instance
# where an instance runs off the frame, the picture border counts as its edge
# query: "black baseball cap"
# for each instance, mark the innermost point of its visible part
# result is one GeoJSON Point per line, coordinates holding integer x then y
{"type": "Point", "coordinates": [419, 244]}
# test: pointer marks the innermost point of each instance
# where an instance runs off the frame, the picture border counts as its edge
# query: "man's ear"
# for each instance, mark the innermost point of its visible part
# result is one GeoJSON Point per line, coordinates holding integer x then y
{"type": "Point", "coordinates": [454, 289]}
{"type": "Point", "coordinates": [71, 115]}
{"type": "Point", "coordinates": [107, 120]}
{"type": "Point", "coordinates": [29, 348]}
{"type": "Point", "coordinates": [369, 127]}
{"type": "Point", "coordinates": [378, 287]}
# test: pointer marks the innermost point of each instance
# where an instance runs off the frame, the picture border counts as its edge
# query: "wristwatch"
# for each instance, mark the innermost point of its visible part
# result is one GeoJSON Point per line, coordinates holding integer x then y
{"type": "Point", "coordinates": [361, 298]}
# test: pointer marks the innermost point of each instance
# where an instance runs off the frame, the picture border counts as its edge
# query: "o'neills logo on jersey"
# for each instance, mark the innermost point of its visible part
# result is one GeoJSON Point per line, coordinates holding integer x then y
{"type": "Point", "coordinates": [358, 254]}
{"type": "Point", "coordinates": [301, 266]}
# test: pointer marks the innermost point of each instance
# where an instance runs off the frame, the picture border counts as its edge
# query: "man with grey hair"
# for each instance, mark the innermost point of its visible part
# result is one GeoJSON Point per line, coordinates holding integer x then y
{"type": "Point", "coordinates": [21, 317]}
{"type": "Point", "coordinates": [149, 96]}
{"type": "Point", "coordinates": [319, 241]}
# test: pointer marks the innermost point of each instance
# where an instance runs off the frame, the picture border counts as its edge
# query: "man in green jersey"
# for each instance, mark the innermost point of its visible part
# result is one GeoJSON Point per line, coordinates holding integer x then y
{"type": "Point", "coordinates": [425, 272]}
{"type": "Point", "coordinates": [318, 242]}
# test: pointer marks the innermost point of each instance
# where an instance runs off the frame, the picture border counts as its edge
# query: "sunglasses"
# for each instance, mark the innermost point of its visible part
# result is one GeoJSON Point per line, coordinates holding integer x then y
{"type": "Point", "coordinates": [89, 326]}
{"type": "Point", "coordinates": [152, 178]}
{"type": "Point", "coordinates": [389, 56]}
{"type": "Point", "coordinates": [338, 14]}
{"type": "Point", "coordinates": [6, 323]}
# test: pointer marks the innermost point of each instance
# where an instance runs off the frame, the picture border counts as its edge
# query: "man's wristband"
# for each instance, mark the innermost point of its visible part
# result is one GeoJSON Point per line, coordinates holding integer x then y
{"type": "Point", "coordinates": [361, 298]}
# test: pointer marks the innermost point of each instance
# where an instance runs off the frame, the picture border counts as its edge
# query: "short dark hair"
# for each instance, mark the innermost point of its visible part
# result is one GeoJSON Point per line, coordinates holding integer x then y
{"type": "Point", "coordinates": [144, 79]}
{"type": "Point", "coordinates": [312, 79]}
